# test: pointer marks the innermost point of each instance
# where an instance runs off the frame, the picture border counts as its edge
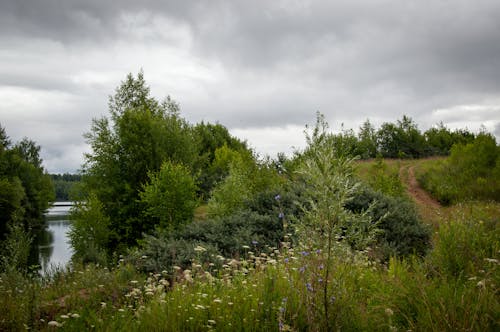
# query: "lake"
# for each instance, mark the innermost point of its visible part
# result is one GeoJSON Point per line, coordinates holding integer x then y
{"type": "Point", "coordinates": [53, 242]}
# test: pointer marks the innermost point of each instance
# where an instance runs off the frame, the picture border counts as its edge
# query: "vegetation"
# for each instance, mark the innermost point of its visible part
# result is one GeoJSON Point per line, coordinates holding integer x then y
{"type": "Point", "coordinates": [64, 185]}
{"type": "Point", "coordinates": [317, 241]}
{"type": "Point", "coordinates": [471, 172]}
{"type": "Point", "coordinates": [25, 192]}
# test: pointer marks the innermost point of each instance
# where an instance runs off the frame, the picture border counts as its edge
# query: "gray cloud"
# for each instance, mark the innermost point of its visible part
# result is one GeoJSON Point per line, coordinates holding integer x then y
{"type": "Point", "coordinates": [248, 64]}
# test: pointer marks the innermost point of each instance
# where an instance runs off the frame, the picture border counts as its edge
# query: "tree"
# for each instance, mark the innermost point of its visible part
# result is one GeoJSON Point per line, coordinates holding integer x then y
{"type": "Point", "coordinates": [138, 137]}
{"type": "Point", "coordinates": [367, 139]}
{"type": "Point", "coordinates": [210, 138]}
{"type": "Point", "coordinates": [169, 197]}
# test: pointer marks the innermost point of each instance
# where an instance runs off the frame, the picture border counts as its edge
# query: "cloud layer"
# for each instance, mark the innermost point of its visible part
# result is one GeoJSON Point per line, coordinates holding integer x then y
{"type": "Point", "coordinates": [262, 68]}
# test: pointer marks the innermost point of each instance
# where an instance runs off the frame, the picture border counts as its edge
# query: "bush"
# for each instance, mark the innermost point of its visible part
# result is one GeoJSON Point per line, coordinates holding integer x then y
{"type": "Point", "coordinates": [229, 236]}
{"type": "Point", "coordinates": [403, 234]}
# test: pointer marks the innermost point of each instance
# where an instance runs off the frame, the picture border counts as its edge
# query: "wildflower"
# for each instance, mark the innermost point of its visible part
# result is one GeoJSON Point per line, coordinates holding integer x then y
{"type": "Point", "coordinates": [245, 247]}
{"type": "Point", "coordinates": [144, 257]}
{"type": "Point", "coordinates": [320, 280]}
{"type": "Point", "coordinates": [302, 269]}
{"type": "Point", "coordinates": [277, 197]}
{"type": "Point", "coordinates": [309, 287]}
{"type": "Point", "coordinates": [304, 253]}
{"type": "Point", "coordinates": [54, 323]}
{"type": "Point", "coordinates": [389, 312]}
{"type": "Point", "coordinates": [103, 304]}
{"type": "Point", "coordinates": [286, 260]}
{"type": "Point", "coordinates": [281, 215]}
{"type": "Point", "coordinates": [175, 267]}
{"type": "Point", "coordinates": [281, 309]}
{"type": "Point", "coordinates": [134, 282]}
{"type": "Point", "coordinates": [211, 321]}
{"type": "Point", "coordinates": [75, 315]}
{"type": "Point", "coordinates": [481, 284]}
{"type": "Point", "coordinates": [217, 300]}
{"type": "Point", "coordinates": [321, 266]}
{"type": "Point", "coordinates": [121, 310]}
{"type": "Point", "coordinates": [199, 249]}
{"type": "Point", "coordinates": [255, 242]}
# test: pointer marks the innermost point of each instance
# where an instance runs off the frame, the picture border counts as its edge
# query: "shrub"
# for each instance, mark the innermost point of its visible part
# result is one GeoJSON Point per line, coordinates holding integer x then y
{"type": "Point", "coordinates": [402, 233]}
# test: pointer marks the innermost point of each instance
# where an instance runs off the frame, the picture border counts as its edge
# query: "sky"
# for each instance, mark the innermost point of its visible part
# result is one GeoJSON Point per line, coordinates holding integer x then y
{"type": "Point", "coordinates": [261, 68]}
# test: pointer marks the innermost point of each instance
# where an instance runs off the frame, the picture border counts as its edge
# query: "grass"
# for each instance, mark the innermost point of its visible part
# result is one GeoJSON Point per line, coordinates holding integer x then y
{"type": "Point", "coordinates": [454, 288]}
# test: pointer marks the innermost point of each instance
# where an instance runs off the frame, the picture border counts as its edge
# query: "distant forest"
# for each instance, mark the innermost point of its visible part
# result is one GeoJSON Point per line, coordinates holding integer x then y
{"type": "Point", "coordinates": [64, 184]}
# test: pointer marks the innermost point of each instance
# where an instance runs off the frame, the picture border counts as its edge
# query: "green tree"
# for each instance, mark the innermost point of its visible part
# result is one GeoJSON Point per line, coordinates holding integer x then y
{"type": "Point", "coordinates": [140, 134]}
{"type": "Point", "coordinates": [210, 138]}
{"type": "Point", "coordinates": [170, 196]}
{"type": "Point", "coordinates": [367, 138]}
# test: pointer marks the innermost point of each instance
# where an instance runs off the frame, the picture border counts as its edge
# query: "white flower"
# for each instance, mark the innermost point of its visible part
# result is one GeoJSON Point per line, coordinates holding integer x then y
{"type": "Point", "coordinates": [54, 323]}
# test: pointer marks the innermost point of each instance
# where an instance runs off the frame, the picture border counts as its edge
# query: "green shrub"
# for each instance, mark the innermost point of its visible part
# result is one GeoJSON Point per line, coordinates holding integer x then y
{"type": "Point", "coordinates": [402, 233]}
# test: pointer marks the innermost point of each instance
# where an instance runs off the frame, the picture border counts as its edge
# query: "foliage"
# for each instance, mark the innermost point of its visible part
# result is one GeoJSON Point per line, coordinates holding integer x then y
{"type": "Point", "coordinates": [15, 250]}
{"type": "Point", "coordinates": [210, 140]}
{"type": "Point", "coordinates": [169, 197]}
{"type": "Point", "coordinates": [89, 233]}
{"type": "Point", "coordinates": [328, 174]}
{"type": "Point", "coordinates": [25, 188]}
{"type": "Point", "coordinates": [472, 171]}
{"type": "Point", "coordinates": [401, 231]}
{"type": "Point", "coordinates": [64, 185]}
{"type": "Point", "coordinates": [141, 134]}
{"type": "Point", "coordinates": [276, 291]}
{"type": "Point", "coordinates": [385, 178]}
{"type": "Point", "coordinates": [246, 178]}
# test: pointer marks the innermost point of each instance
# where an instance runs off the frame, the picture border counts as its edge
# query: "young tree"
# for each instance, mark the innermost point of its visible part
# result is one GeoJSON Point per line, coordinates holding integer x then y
{"type": "Point", "coordinates": [169, 197]}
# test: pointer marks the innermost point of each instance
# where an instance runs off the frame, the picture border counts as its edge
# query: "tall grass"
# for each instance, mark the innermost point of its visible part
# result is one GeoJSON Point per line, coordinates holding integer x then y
{"type": "Point", "coordinates": [455, 288]}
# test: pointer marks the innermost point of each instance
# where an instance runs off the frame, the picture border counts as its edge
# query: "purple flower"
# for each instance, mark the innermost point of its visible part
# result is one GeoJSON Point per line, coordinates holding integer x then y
{"type": "Point", "coordinates": [332, 299]}
{"type": "Point", "coordinates": [286, 260]}
{"type": "Point", "coordinates": [255, 242]}
{"type": "Point", "coordinates": [318, 251]}
{"type": "Point", "coordinates": [281, 215]}
{"type": "Point", "coordinates": [309, 287]}
{"type": "Point", "coordinates": [302, 269]}
{"type": "Point", "coordinates": [321, 266]}
{"type": "Point", "coordinates": [277, 197]}
{"type": "Point", "coordinates": [320, 280]}
{"type": "Point", "coordinates": [282, 309]}
{"type": "Point", "coordinates": [284, 300]}
{"type": "Point", "coordinates": [304, 253]}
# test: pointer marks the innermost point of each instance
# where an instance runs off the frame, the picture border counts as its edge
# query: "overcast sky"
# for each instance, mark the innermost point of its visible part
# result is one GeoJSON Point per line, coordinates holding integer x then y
{"type": "Point", "coordinates": [261, 68]}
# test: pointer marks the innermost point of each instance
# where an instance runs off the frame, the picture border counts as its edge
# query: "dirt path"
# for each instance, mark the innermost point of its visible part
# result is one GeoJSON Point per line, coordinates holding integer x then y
{"type": "Point", "coordinates": [429, 208]}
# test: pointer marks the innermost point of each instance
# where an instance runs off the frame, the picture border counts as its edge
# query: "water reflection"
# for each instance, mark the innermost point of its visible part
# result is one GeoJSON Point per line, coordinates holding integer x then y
{"type": "Point", "coordinates": [52, 242]}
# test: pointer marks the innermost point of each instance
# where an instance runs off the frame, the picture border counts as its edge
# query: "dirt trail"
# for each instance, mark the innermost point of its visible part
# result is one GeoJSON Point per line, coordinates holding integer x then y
{"type": "Point", "coordinates": [429, 208]}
